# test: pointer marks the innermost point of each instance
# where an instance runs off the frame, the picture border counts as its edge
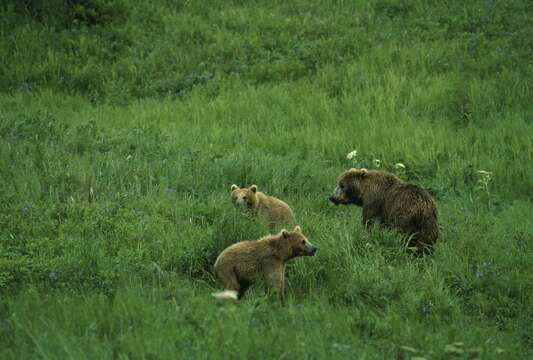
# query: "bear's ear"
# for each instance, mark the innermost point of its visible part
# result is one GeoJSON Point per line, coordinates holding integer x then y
{"type": "Point", "coordinates": [352, 172]}
{"type": "Point", "coordinates": [253, 188]}
{"type": "Point", "coordinates": [297, 228]}
{"type": "Point", "coordinates": [361, 173]}
{"type": "Point", "coordinates": [234, 187]}
{"type": "Point", "coordinates": [284, 233]}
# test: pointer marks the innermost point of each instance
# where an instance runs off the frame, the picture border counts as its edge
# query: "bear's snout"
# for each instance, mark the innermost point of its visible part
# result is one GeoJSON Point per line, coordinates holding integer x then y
{"type": "Point", "coordinates": [310, 249]}
{"type": "Point", "coordinates": [333, 199]}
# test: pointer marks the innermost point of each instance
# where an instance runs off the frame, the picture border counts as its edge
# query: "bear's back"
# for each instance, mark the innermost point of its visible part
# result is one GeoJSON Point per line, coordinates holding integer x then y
{"type": "Point", "coordinates": [272, 209]}
{"type": "Point", "coordinates": [410, 207]}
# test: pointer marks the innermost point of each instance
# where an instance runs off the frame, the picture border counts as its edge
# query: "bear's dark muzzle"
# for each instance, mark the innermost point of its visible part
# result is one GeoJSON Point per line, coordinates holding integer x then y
{"type": "Point", "coordinates": [334, 200]}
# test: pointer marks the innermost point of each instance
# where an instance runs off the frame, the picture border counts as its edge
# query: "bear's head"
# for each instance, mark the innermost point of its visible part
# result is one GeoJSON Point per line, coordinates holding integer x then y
{"type": "Point", "coordinates": [348, 190]}
{"type": "Point", "coordinates": [291, 244]}
{"type": "Point", "coordinates": [244, 197]}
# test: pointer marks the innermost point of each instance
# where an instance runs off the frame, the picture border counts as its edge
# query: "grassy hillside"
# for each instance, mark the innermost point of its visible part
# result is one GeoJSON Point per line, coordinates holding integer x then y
{"type": "Point", "coordinates": [124, 123]}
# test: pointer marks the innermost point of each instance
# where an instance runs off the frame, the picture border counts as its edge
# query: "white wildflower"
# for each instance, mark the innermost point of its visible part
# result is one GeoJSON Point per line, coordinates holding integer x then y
{"type": "Point", "coordinates": [377, 163]}
{"type": "Point", "coordinates": [351, 155]}
{"type": "Point", "coordinates": [484, 179]}
{"type": "Point", "coordinates": [399, 166]}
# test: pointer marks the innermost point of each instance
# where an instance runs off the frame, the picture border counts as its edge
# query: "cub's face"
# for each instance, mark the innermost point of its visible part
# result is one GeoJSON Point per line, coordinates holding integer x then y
{"type": "Point", "coordinates": [348, 190]}
{"type": "Point", "coordinates": [244, 197]}
{"type": "Point", "coordinates": [298, 243]}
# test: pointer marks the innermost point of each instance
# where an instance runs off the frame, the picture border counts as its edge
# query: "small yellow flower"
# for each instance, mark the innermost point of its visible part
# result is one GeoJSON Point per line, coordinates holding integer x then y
{"type": "Point", "coordinates": [351, 155]}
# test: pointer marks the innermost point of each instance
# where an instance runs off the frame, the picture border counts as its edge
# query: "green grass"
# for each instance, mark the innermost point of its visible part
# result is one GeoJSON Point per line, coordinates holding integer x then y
{"type": "Point", "coordinates": [123, 125]}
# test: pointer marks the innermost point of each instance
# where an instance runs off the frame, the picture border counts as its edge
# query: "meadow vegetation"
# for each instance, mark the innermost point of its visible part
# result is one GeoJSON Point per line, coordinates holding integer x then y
{"type": "Point", "coordinates": [124, 123]}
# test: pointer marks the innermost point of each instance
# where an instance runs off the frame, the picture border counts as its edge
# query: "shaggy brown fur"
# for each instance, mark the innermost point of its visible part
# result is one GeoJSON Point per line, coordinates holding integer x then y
{"type": "Point", "coordinates": [239, 265]}
{"type": "Point", "coordinates": [270, 210]}
{"type": "Point", "coordinates": [386, 198]}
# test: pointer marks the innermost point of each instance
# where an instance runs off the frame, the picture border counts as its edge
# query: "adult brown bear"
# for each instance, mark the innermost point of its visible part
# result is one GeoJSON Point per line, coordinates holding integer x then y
{"type": "Point", "coordinates": [391, 201]}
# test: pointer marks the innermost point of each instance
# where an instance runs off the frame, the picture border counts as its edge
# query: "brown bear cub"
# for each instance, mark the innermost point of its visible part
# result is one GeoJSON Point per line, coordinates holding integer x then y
{"type": "Point", "coordinates": [394, 203]}
{"type": "Point", "coordinates": [242, 263]}
{"type": "Point", "coordinates": [269, 209]}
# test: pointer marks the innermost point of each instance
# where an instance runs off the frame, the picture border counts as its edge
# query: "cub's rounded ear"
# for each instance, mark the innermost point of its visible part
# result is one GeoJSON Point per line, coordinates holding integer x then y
{"type": "Point", "coordinates": [351, 172]}
{"type": "Point", "coordinates": [234, 187]}
{"type": "Point", "coordinates": [362, 172]}
{"type": "Point", "coordinates": [284, 233]}
{"type": "Point", "coordinates": [253, 188]}
{"type": "Point", "coordinates": [297, 228]}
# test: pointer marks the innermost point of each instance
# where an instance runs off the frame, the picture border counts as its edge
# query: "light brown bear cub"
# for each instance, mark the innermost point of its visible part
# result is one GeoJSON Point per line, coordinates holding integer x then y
{"type": "Point", "coordinates": [242, 263]}
{"type": "Point", "coordinates": [269, 209]}
{"type": "Point", "coordinates": [396, 204]}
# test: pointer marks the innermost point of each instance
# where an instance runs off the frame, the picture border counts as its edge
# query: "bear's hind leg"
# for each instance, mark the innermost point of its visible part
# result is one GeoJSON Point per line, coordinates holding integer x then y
{"type": "Point", "coordinates": [243, 286]}
{"type": "Point", "coordinates": [230, 283]}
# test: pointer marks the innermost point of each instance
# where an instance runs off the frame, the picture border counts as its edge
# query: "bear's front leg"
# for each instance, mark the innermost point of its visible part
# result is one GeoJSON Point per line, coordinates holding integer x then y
{"type": "Point", "coordinates": [369, 216]}
{"type": "Point", "coordinates": [275, 277]}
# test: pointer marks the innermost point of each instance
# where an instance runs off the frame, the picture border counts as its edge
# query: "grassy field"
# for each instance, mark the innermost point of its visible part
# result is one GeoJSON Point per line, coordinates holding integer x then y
{"type": "Point", "coordinates": [124, 123]}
